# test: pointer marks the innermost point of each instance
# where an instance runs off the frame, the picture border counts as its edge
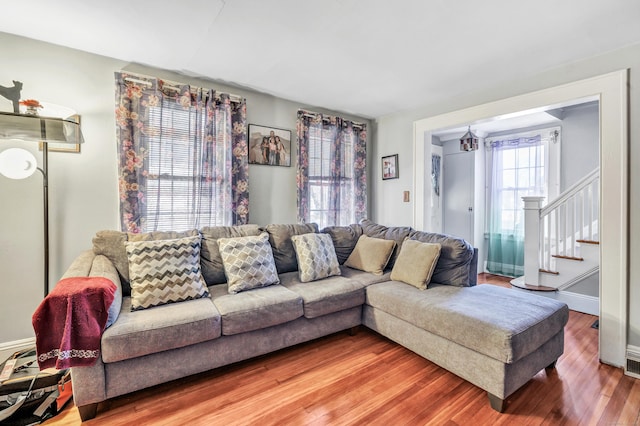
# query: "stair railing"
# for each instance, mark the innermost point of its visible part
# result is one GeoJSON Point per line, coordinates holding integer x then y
{"type": "Point", "coordinates": [561, 225]}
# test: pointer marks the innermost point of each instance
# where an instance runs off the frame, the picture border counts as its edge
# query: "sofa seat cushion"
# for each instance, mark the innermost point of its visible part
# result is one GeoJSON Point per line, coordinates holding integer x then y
{"type": "Point", "coordinates": [159, 329]}
{"type": "Point", "coordinates": [364, 278]}
{"type": "Point", "coordinates": [255, 309]}
{"type": "Point", "coordinates": [501, 323]}
{"type": "Point", "coordinates": [325, 296]}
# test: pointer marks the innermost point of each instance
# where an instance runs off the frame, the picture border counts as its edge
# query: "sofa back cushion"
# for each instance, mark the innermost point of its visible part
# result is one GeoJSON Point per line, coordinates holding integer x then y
{"type": "Point", "coordinates": [111, 244]}
{"type": "Point", "coordinates": [344, 239]}
{"type": "Point", "coordinates": [455, 258]}
{"type": "Point", "coordinates": [395, 233]}
{"type": "Point", "coordinates": [280, 240]}
{"type": "Point", "coordinates": [210, 259]}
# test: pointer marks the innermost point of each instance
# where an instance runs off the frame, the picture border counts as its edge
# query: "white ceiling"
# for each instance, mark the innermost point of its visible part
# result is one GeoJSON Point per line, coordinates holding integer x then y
{"type": "Point", "coordinates": [366, 57]}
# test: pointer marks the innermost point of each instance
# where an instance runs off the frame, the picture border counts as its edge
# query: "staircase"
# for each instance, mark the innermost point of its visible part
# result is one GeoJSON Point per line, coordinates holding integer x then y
{"type": "Point", "coordinates": [562, 243]}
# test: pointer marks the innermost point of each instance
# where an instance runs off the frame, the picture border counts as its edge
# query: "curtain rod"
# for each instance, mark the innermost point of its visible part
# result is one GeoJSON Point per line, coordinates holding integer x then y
{"type": "Point", "coordinates": [232, 96]}
{"type": "Point", "coordinates": [315, 114]}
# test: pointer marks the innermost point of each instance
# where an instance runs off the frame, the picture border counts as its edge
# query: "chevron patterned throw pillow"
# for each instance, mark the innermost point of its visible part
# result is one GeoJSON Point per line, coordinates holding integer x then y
{"type": "Point", "coordinates": [248, 262]}
{"type": "Point", "coordinates": [165, 271]}
{"type": "Point", "coordinates": [316, 256]}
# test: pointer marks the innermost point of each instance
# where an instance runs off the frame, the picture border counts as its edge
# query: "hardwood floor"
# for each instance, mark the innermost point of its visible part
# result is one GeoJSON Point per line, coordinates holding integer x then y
{"type": "Point", "coordinates": [367, 379]}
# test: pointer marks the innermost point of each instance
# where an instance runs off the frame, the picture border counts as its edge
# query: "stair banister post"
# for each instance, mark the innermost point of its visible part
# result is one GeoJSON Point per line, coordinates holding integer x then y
{"type": "Point", "coordinates": [532, 207]}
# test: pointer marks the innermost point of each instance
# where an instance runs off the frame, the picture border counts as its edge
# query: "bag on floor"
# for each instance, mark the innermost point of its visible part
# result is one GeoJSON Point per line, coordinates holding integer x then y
{"type": "Point", "coordinates": [30, 396]}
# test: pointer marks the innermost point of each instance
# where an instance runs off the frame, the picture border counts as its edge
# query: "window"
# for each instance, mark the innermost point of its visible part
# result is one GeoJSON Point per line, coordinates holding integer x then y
{"type": "Point", "coordinates": [522, 174]}
{"type": "Point", "coordinates": [520, 165]}
{"type": "Point", "coordinates": [182, 156]}
{"type": "Point", "coordinates": [176, 198]}
{"type": "Point", "coordinates": [330, 193]}
{"type": "Point", "coordinates": [331, 170]}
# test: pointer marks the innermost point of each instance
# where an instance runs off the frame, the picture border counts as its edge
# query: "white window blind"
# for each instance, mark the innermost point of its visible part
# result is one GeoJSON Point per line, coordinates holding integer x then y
{"type": "Point", "coordinates": [175, 197]}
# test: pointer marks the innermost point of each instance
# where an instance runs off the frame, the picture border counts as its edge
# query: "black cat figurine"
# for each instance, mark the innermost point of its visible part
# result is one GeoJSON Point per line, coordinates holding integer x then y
{"type": "Point", "coordinates": [13, 94]}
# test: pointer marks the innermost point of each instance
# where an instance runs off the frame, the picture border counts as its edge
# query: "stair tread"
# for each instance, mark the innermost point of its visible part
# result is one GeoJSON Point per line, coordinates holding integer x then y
{"type": "Point", "coordinates": [559, 256]}
{"type": "Point", "coordinates": [587, 241]}
{"type": "Point", "coordinates": [530, 287]}
{"type": "Point", "coordinates": [547, 271]}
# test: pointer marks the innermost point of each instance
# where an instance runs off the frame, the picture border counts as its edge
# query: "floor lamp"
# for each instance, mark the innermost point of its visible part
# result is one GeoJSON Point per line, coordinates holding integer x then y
{"type": "Point", "coordinates": [18, 163]}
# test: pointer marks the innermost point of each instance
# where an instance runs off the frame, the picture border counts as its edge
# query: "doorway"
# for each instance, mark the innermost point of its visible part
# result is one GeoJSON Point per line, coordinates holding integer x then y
{"type": "Point", "coordinates": [611, 90]}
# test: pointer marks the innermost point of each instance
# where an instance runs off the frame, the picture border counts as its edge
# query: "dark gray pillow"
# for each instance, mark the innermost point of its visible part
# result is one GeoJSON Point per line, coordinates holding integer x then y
{"type": "Point", "coordinates": [454, 261]}
{"type": "Point", "coordinates": [344, 239]}
{"type": "Point", "coordinates": [210, 259]}
{"type": "Point", "coordinates": [280, 240]}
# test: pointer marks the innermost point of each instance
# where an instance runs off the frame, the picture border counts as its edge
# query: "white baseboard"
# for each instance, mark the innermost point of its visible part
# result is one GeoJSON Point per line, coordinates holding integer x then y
{"type": "Point", "coordinates": [575, 301]}
{"type": "Point", "coordinates": [17, 344]}
{"type": "Point", "coordinates": [580, 302]}
{"type": "Point", "coordinates": [633, 351]}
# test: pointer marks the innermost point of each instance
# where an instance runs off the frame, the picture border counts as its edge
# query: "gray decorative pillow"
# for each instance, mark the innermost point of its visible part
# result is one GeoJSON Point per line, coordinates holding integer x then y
{"type": "Point", "coordinates": [165, 271]}
{"type": "Point", "coordinates": [112, 245]}
{"type": "Point", "coordinates": [210, 259]}
{"type": "Point", "coordinates": [248, 262]}
{"type": "Point", "coordinates": [316, 256]}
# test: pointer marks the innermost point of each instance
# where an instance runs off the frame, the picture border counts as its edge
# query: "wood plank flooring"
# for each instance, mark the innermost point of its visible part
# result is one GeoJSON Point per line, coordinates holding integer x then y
{"type": "Point", "coordinates": [368, 380]}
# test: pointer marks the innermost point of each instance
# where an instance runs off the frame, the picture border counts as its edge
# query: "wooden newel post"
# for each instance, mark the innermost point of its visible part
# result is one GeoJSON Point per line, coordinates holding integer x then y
{"type": "Point", "coordinates": [532, 239]}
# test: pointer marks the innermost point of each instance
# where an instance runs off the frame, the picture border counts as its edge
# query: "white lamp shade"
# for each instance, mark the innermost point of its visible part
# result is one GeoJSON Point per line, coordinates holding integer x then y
{"type": "Point", "coordinates": [17, 163]}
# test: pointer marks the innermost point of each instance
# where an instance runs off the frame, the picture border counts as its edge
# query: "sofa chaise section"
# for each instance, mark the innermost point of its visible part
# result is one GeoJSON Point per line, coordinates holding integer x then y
{"type": "Point", "coordinates": [493, 337]}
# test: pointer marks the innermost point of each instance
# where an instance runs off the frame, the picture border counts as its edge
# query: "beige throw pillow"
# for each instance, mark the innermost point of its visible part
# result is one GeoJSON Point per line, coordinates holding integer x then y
{"type": "Point", "coordinates": [415, 263]}
{"type": "Point", "coordinates": [370, 254]}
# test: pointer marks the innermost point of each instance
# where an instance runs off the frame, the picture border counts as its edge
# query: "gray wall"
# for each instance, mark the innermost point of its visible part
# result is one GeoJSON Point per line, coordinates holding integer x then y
{"type": "Point", "coordinates": [580, 143]}
{"type": "Point", "coordinates": [83, 187]}
{"type": "Point", "coordinates": [395, 133]}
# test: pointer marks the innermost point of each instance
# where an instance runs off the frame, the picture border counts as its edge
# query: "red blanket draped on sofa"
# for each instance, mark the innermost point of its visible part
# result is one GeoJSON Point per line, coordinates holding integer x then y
{"type": "Point", "coordinates": [70, 320]}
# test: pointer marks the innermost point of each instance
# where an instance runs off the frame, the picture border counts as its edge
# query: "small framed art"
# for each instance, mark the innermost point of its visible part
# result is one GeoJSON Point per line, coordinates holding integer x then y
{"type": "Point", "coordinates": [390, 167]}
{"type": "Point", "coordinates": [269, 146]}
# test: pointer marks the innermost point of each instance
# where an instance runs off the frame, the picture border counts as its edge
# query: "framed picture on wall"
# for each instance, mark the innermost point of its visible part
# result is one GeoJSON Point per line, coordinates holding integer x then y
{"type": "Point", "coordinates": [390, 167]}
{"type": "Point", "coordinates": [269, 146]}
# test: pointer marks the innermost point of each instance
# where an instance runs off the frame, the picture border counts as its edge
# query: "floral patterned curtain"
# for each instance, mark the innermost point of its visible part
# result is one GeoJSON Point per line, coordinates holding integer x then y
{"type": "Point", "coordinates": [182, 156]}
{"type": "Point", "coordinates": [332, 170]}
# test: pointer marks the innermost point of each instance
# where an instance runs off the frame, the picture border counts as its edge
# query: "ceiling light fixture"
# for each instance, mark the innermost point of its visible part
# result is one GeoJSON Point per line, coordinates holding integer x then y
{"type": "Point", "coordinates": [469, 142]}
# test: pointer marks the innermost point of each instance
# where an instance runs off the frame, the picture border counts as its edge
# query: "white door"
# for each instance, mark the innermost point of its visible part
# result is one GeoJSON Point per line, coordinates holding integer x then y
{"type": "Point", "coordinates": [457, 195]}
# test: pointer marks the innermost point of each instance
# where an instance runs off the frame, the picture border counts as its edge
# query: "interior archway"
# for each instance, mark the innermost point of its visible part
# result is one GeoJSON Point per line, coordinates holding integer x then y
{"type": "Point", "coordinates": [612, 92]}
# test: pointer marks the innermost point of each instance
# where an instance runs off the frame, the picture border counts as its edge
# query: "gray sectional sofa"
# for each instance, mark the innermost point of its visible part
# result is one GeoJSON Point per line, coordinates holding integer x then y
{"type": "Point", "coordinates": [495, 338]}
